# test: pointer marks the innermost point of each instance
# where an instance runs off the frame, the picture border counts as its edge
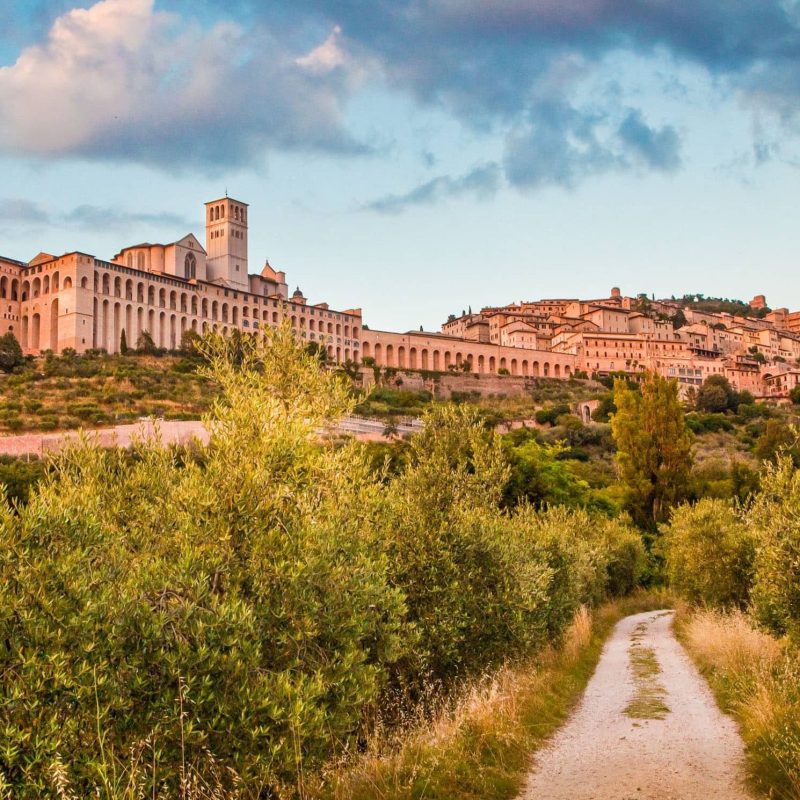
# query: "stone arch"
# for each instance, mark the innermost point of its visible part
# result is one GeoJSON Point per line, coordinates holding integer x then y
{"type": "Point", "coordinates": [4, 287]}
{"type": "Point", "coordinates": [378, 354]}
{"type": "Point", "coordinates": [492, 364]}
{"type": "Point", "coordinates": [117, 287]}
{"type": "Point", "coordinates": [84, 282]}
{"type": "Point", "coordinates": [365, 350]}
{"type": "Point", "coordinates": [412, 358]}
{"type": "Point", "coordinates": [546, 369]}
{"type": "Point", "coordinates": [401, 357]}
{"type": "Point", "coordinates": [389, 355]}
{"type": "Point", "coordinates": [46, 284]}
{"type": "Point", "coordinates": [36, 288]}
{"type": "Point", "coordinates": [129, 289]}
{"type": "Point", "coordinates": [513, 366]}
{"type": "Point", "coordinates": [68, 282]}
{"type": "Point", "coordinates": [106, 279]}
{"type": "Point", "coordinates": [535, 369]}
{"type": "Point", "coordinates": [557, 370]}
{"type": "Point", "coordinates": [525, 366]}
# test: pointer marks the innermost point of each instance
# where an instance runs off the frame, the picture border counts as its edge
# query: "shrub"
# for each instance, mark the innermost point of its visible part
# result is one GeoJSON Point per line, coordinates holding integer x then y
{"type": "Point", "coordinates": [709, 553]}
{"type": "Point", "coordinates": [775, 522]}
{"type": "Point", "coordinates": [242, 588]}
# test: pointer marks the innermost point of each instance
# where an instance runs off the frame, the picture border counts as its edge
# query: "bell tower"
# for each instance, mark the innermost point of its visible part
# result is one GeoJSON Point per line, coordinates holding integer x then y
{"type": "Point", "coordinates": [226, 242]}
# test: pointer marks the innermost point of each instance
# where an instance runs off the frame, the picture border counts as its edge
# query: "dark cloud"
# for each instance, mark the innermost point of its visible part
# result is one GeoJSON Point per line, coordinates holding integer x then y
{"type": "Point", "coordinates": [482, 182]}
{"type": "Point", "coordinates": [195, 90]}
{"type": "Point", "coordinates": [559, 145]}
{"type": "Point", "coordinates": [658, 149]}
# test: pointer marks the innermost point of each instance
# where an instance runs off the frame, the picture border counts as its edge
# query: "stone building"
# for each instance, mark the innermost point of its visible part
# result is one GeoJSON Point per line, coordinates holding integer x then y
{"type": "Point", "coordinates": [82, 302]}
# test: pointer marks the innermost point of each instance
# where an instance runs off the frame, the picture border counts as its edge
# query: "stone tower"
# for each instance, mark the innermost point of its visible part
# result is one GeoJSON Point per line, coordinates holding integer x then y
{"type": "Point", "coordinates": [226, 242]}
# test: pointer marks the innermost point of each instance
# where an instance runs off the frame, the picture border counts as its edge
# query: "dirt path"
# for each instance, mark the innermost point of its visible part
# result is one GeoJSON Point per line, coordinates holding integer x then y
{"type": "Point", "coordinates": [647, 728]}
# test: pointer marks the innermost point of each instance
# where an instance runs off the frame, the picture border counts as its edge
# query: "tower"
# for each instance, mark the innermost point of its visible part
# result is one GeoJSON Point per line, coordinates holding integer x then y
{"type": "Point", "coordinates": [226, 242]}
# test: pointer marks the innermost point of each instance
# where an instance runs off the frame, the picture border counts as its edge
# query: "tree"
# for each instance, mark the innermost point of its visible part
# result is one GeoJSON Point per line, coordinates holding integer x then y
{"type": "Point", "coordinates": [123, 343]}
{"type": "Point", "coordinates": [794, 395]}
{"type": "Point", "coordinates": [776, 440]}
{"type": "Point", "coordinates": [653, 447]}
{"type": "Point", "coordinates": [145, 343]}
{"type": "Point", "coordinates": [10, 352]}
{"type": "Point", "coordinates": [716, 395]}
{"type": "Point", "coordinates": [189, 342]}
{"type": "Point", "coordinates": [678, 319]}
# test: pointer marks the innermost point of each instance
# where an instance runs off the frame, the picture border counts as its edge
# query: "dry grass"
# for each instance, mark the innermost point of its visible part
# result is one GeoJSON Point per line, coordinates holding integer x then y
{"type": "Point", "coordinates": [480, 744]}
{"type": "Point", "coordinates": [757, 679]}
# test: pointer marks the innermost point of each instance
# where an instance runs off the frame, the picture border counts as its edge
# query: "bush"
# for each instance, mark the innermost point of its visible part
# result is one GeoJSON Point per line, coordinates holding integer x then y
{"type": "Point", "coordinates": [709, 553]}
{"type": "Point", "coordinates": [242, 588]}
{"type": "Point", "coordinates": [775, 522]}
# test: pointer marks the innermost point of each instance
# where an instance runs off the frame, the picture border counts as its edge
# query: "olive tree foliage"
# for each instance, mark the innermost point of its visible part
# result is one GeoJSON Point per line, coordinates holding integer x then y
{"type": "Point", "coordinates": [471, 593]}
{"type": "Point", "coordinates": [775, 521]}
{"type": "Point", "coordinates": [231, 603]}
{"type": "Point", "coordinates": [709, 552]}
{"type": "Point", "coordinates": [653, 447]}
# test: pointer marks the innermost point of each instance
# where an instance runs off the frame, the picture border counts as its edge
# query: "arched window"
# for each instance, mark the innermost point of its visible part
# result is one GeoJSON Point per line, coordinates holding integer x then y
{"type": "Point", "coordinates": [190, 266]}
{"type": "Point", "coordinates": [140, 261]}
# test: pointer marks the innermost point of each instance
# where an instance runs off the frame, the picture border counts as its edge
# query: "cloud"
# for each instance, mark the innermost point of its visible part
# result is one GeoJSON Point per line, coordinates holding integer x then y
{"type": "Point", "coordinates": [104, 218]}
{"type": "Point", "coordinates": [123, 81]}
{"type": "Point", "coordinates": [658, 149]}
{"type": "Point", "coordinates": [16, 213]}
{"type": "Point", "coordinates": [183, 86]}
{"type": "Point", "coordinates": [482, 182]}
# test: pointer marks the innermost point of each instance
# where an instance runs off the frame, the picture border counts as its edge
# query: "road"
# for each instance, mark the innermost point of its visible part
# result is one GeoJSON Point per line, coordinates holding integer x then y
{"type": "Point", "coordinates": [647, 728]}
{"type": "Point", "coordinates": [170, 431]}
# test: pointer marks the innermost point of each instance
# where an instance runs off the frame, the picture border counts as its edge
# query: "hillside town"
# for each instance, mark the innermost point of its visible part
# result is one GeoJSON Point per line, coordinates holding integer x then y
{"type": "Point", "coordinates": [80, 302]}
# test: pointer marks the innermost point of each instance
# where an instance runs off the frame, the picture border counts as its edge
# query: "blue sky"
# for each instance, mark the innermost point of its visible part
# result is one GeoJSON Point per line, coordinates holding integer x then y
{"type": "Point", "coordinates": [415, 157]}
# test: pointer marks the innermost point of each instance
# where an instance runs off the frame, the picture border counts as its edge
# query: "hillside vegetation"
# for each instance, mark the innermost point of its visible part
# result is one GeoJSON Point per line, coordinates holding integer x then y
{"type": "Point", "coordinates": [176, 620]}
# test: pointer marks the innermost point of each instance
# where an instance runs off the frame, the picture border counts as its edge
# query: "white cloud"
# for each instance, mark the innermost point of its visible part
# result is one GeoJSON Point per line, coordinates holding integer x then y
{"type": "Point", "coordinates": [121, 80]}
{"type": "Point", "coordinates": [326, 57]}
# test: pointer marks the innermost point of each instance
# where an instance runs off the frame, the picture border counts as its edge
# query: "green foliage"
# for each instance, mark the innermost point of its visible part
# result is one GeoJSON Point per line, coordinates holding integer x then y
{"type": "Point", "coordinates": [775, 521]}
{"type": "Point", "coordinates": [605, 409]}
{"type": "Point", "coordinates": [653, 447]}
{"type": "Point", "coordinates": [18, 477]}
{"type": "Point", "coordinates": [538, 476]}
{"type": "Point", "coordinates": [10, 352]}
{"type": "Point", "coordinates": [258, 597]}
{"type": "Point", "coordinates": [709, 553]}
{"type": "Point", "coordinates": [777, 439]}
{"type": "Point", "coordinates": [717, 395]}
{"type": "Point", "coordinates": [245, 584]}
{"type": "Point", "coordinates": [123, 343]}
{"type": "Point", "coordinates": [794, 395]}
{"type": "Point", "coordinates": [550, 415]}
{"type": "Point", "coordinates": [708, 423]}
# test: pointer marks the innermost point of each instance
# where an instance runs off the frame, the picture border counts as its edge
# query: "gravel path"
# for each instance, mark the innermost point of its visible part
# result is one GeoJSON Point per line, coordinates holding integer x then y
{"type": "Point", "coordinates": [647, 728]}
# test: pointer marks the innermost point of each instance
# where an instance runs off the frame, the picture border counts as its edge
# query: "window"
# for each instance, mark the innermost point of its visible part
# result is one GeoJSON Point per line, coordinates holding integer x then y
{"type": "Point", "coordinates": [190, 266]}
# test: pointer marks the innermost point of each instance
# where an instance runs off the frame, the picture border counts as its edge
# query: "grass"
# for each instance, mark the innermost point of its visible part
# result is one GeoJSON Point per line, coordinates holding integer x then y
{"type": "Point", "coordinates": [756, 679]}
{"type": "Point", "coordinates": [480, 744]}
{"type": "Point", "coordinates": [648, 701]}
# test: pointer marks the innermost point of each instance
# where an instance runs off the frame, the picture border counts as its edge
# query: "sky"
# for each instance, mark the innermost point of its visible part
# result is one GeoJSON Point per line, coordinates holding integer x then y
{"type": "Point", "coordinates": [417, 157]}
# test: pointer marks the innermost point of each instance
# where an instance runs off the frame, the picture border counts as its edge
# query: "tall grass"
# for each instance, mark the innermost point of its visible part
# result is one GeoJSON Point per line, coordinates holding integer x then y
{"type": "Point", "coordinates": [756, 678]}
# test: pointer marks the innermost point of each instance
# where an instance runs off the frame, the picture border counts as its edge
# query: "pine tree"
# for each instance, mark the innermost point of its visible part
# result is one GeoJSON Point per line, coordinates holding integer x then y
{"type": "Point", "coordinates": [653, 447]}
